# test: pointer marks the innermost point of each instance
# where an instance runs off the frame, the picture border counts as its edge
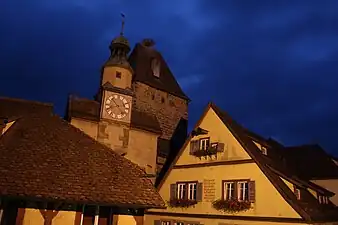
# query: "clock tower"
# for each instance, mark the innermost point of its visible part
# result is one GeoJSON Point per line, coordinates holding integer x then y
{"type": "Point", "coordinates": [116, 78]}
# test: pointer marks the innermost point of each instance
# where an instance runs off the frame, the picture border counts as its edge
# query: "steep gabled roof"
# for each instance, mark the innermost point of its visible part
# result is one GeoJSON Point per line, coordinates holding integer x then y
{"type": "Point", "coordinates": [43, 157]}
{"type": "Point", "coordinates": [308, 208]}
{"type": "Point", "coordinates": [299, 157]}
{"type": "Point", "coordinates": [140, 60]}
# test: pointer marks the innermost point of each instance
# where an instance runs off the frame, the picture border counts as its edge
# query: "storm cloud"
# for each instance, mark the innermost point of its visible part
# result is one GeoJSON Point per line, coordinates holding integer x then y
{"type": "Point", "coordinates": [272, 65]}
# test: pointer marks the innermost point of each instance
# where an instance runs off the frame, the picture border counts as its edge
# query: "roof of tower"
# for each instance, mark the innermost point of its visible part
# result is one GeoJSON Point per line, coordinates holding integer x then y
{"type": "Point", "coordinates": [120, 40]}
{"type": "Point", "coordinates": [141, 59]}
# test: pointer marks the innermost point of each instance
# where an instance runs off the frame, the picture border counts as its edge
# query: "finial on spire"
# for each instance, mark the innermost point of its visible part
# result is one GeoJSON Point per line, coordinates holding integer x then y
{"type": "Point", "coordinates": [122, 27]}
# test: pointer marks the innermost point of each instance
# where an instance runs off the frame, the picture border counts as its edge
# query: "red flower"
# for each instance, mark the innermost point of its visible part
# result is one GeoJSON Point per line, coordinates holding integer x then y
{"type": "Point", "coordinates": [232, 205]}
{"type": "Point", "coordinates": [184, 203]}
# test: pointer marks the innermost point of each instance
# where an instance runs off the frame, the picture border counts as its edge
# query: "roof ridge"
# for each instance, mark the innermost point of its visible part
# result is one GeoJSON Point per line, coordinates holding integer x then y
{"type": "Point", "coordinates": [26, 101]}
{"type": "Point", "coordinates": [76, 97]}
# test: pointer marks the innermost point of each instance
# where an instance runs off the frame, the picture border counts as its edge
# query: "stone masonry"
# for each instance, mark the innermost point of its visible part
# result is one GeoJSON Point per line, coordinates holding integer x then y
{"type": "Point", "coordinates": [169, 109]}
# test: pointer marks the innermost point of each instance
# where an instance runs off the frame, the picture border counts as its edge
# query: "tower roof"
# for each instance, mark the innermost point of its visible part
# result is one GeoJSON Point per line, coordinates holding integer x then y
{"type": "Point", "coordinates": [140, 60]}
{"type": "Point", "coordinates": [120, 41]}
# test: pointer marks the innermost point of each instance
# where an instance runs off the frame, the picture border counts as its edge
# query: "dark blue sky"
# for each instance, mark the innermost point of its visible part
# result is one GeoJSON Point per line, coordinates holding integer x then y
{"type": "Point", "coordinates": [271, 64]}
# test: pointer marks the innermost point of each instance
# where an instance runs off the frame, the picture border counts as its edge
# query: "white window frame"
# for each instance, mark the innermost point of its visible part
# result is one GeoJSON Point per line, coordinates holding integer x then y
{"type": "Point", "coordinates": [178, 223]}
{"type": "Point", "coordinates": [181, 189]}
{"type": "Point", "coordinates": [204, 143]}
{"type": "Point", "coordinates": [228, 190]}
{"type": "Point", "coordinates": [192, 191]}
{"type": "Point", "coordinates": [164, 222]}
{"type": "Point", "coordinates": [242, 185]}
{"type": "Point", "coordinates": [323, 199]}
{"type": "Point", "coordinates": [188, 188]}
{"type": "Point", "coordinates": [297, 193]}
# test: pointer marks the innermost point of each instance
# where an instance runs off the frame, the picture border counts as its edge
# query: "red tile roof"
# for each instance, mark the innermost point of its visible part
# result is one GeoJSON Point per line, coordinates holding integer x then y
{"type": "Point", "coordinates": [44, 157]}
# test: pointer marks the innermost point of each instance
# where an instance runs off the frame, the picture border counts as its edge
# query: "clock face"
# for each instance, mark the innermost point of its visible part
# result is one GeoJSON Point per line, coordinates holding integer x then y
{"type": "Point", "coordinates": [117, 106]}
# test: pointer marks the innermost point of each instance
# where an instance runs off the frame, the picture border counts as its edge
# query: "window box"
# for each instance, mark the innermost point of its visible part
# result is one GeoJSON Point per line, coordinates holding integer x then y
{"type": "Point", "coordinates": [231, 205]}
{"type": "Point", "coordinates": [182, 203]}
{"type": "Point", "coordinates": [203, 147]}
{"type": "Point", "coordinates": [207, 152]}
{"type": "Point", "coordinates": [237, 195]}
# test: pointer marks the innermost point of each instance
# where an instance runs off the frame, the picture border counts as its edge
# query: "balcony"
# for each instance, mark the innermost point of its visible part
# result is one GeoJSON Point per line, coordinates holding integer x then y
{"type": "Point", "coordinates": [202, 148]}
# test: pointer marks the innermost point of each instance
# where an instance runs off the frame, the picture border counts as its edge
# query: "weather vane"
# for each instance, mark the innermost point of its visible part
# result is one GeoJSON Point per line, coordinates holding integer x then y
{"type": "Point", "coordinates": [122, 27]}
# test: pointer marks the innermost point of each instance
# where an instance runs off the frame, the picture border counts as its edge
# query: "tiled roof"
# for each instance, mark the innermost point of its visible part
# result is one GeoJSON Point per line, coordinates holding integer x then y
{"type": "Point", "coordinates": [13, 108]}
{"type": "Point", "coordinates": [308, 207]}
{"type": "Point", "coordinates": [44, 157]}
{"type": "Point", "coordinates": [299, 157]}
{"type": "Point", "coordinates": [90, 110]}
{"type": "Point", "coordinates": [140, 60]}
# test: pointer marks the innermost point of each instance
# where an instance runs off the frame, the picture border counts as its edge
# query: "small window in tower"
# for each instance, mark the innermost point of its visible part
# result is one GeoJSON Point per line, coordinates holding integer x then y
{"type": "Point", "coordinates": [162, 99]}
{"type": "Point", "coordinates": [155, 67]}
{"type": "Point", "coordinates": [118, 74]}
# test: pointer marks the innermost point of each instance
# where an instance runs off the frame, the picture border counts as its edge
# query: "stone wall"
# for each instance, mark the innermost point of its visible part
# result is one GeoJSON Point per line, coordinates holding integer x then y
{"type": "Point", "coordinates": [168, 108]}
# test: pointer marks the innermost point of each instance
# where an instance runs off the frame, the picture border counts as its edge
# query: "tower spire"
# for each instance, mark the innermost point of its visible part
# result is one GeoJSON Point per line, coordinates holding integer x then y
{"type": "Point", "coordinates": [122, 26]}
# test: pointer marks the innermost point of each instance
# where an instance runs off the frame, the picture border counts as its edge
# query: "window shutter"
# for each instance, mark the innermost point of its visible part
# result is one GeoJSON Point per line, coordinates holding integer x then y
{"type": "Point", "coordinates": [193, 146]}
{"type": "Point", "coordinates": [199, 192]}
{"type": "Point", "coordinates": [220, 147]}
{"type": "Point", "coordinates": [173, 191]}
{"type": "Point", "coordinates": [252, 191]}
{"type": "Point", "coordinates": [157, 222]}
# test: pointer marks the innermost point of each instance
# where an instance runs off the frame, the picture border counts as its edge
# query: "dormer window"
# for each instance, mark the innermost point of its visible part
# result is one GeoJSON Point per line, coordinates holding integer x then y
{"type": "Point", "coordinates": [322, 199]}
{"type": "Point", "coordinates": [296, 191]}
{"type": "Point", "coordinates": [155, 67]}
{"type": "Point", "coordinates": [264, 150]}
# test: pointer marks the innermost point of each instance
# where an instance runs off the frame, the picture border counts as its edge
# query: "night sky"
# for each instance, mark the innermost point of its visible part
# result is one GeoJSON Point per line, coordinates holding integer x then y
{"type": "Point", "coordinates": [271, 64]}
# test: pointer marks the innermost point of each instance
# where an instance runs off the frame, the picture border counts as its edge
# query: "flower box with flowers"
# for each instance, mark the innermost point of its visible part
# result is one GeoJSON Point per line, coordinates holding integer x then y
{"type": "Point", "coordinates": [182, 203]}
{"type": "Point", "coordinates": [208, 152]}
{"type": "Point", "coordinates": [231, 205]}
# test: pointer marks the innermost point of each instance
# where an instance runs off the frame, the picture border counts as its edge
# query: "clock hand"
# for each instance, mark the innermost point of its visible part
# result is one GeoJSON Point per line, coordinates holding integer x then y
{"type": "Point", "coordinates": [115, 103]}
{"type": "Point", "coordinates": [118, 106]}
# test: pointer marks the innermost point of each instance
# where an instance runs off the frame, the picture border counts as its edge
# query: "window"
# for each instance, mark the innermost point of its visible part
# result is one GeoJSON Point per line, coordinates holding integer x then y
{"type": "Point", "coordinates": [187, 190]}
{"type": "Point", "coordinates": [204, 143]}
{"type": "Point", "coordinates": [155, 66]}
{"type": "Point", "coordinates": [192, 190]}
{"type": "Point", "coordinates": [165, 222]}
{"type": "Point", "coordinates": [178, 223]}
{"type": "Point", "coordinates": [243, 191]}
{"type": "Point", "coordinates": [264, 150]}
{"type": "Point", "coordinates": [118, 74]}
{"type": "Point", "coordinates": [323, 199]}
{"type": "Point", "coordinates": [229, 190]}
{"type": "Point", "coordinates": [297, 192]}
{"type": "Point", "coordinates": [181, 191]}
